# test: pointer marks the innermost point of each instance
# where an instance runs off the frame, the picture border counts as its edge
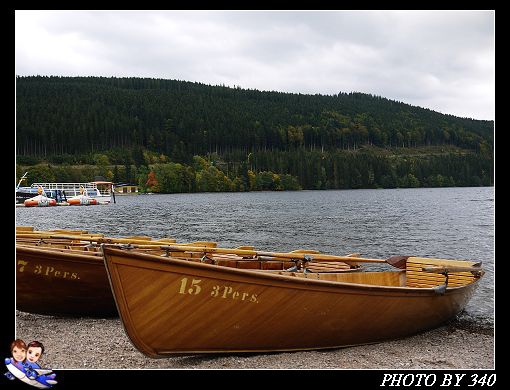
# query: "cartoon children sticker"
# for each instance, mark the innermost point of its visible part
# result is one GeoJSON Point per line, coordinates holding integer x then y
{"type": "Point", "coordinates": [23, 365]}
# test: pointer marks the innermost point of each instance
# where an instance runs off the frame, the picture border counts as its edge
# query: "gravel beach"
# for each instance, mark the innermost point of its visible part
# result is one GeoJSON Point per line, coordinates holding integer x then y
{"type": "Point", "coordinates": [460, 344]}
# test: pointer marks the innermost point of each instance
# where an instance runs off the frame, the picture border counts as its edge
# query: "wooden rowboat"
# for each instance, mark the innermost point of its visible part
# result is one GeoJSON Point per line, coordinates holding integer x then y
{"type": "Point", "coordinates": [174, 306]}
{"type": "Point", "coordinates": [62, 272]}
{"type": "Point", "coordinates": [62, 282]}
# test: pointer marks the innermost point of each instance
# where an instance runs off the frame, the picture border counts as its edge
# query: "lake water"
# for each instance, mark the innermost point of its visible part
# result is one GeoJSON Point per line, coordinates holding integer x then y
{"type": "Point", "coordinates": [454, 223]}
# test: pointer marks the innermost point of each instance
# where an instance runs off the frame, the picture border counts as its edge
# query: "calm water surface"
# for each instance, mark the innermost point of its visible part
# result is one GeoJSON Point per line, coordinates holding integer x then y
{"type": "Point", "coordinates": [454, 223]}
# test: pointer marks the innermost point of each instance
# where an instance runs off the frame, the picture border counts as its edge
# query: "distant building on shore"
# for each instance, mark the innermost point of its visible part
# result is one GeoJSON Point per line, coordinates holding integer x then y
{"type": "Point", "coordinates": [125, 188]}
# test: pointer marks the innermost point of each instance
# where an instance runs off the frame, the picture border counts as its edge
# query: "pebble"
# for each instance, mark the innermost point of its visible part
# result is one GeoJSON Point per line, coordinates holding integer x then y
{"type": "Point", "coordinates": [456, 345]}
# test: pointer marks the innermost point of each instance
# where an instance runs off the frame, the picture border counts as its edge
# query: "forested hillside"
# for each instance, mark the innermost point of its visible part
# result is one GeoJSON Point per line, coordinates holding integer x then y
{"type": "Point", "coordinates": [349, 140]}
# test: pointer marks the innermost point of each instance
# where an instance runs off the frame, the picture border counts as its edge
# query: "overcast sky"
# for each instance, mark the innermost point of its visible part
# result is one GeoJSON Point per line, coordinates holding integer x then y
{"type": "Point", "coordinates": [442, 60]}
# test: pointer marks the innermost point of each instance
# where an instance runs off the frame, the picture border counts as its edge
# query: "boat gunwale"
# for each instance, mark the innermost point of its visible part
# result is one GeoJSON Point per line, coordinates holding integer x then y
{"type": "Point", "coordinates": [70, 257]}
{"type": "Point", "coordinates": [285, 278]}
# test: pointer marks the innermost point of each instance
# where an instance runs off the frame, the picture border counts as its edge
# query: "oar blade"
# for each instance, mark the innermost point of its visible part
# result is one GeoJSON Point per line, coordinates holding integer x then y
{"type": "Point", "coordinates": [398, 261]}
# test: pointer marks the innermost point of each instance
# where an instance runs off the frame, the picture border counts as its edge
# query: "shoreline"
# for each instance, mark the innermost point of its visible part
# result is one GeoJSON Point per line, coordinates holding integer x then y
{"type": "Point", "coordinates": [101, 343]}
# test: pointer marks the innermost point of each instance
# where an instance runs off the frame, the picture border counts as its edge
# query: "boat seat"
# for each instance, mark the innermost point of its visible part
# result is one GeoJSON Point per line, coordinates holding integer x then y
{"type": "Point", "coordinates": [417, 277]}
{"type": "Point", "coordinates": [325, 266]}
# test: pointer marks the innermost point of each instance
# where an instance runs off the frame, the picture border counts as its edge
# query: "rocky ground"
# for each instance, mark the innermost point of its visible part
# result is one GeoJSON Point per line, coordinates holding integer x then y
{"type": "Point", "coordinates": [83, 343]}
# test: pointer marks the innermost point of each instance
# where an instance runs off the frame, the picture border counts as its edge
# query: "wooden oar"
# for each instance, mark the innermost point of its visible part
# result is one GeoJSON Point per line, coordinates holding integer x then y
{"type": "Point", "coordinates": [68, 236]}
{"type": "Point", "coordinates": [279, 255]}
{"type": "Point", "coordinates": [99, 238]}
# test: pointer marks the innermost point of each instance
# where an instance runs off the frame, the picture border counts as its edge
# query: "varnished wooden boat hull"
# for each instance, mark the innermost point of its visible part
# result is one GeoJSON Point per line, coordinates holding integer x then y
{"type": "Point", "coordinates": [170, 306]}
{"type": "Point", "coordinates": [56, 283]}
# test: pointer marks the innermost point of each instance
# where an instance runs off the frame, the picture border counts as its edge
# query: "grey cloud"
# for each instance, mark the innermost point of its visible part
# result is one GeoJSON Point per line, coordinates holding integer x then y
{"type": "Point", "coordinates": [427, 58]}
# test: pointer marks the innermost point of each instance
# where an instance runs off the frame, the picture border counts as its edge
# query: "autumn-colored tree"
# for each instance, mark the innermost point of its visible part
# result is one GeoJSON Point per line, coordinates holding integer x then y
{"type": "Point", "coordinates": [151, 182]}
